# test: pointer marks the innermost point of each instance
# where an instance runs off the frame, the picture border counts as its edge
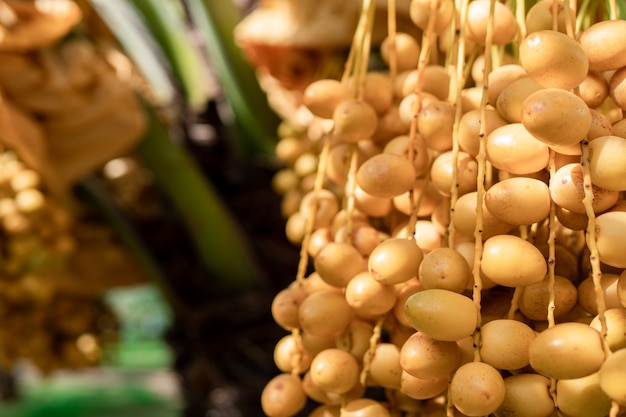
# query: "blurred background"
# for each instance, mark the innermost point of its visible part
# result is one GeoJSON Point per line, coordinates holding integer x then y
{"type": "Point", "coordinates": [141, 241]}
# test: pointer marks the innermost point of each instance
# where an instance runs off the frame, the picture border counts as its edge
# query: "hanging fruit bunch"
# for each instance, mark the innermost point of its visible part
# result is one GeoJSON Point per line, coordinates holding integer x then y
{"type": "Point", "coordinates": [51, 301]}
{"type": "Point", "coordinates": [64, 113]}
{"type": "Point", "coordinates": [461, 218]}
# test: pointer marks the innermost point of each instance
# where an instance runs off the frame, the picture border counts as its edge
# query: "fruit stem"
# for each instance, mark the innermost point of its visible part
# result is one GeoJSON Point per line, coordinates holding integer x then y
{"type": "Point", "coordinates": [520, 16]}
{"type": "Point", "coordinates": [460, 82]}
{"type": "Point", "coordinates": [614, 412]}
{"type": "Point", "coordinates": [481, 175]}
{"type": "Point", "coordinates": [391, 28]}
{"type": "Point", "coordinates": [515, 303]}
{"type": "Point", "coordinates": [297, 357]}
{"type": "Point", "coordinates": [594, 255]}
{"type": "Point", "coordinates": [551, 246]}
{"type": "Point", "coordinates": [350, 187]}
{"type": "Point", "coordinates": [422, 62]}
{"type": "Point", "coordinates": [366, 47]}
{"type": "Point", "coordinates": [367, 358]}
{"type": "Point", "coordinates": [310, 220]}
{"type": "Point", "coordinates": [555, 15]}
{"type": "Point", "coordinates": [568, 19]}
{"type": "Point", "coordinates": [358, 58]}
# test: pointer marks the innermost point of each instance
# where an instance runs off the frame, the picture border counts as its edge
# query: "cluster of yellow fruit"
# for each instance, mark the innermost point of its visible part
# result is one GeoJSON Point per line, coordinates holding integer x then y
{"type": "Point", "coordinates": [51, 302]}
{"type": "Point", "coordinates": [464, 215]}
{"type": "Point", "coordinates": [64, 112]}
